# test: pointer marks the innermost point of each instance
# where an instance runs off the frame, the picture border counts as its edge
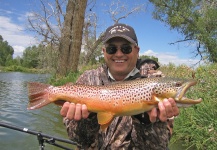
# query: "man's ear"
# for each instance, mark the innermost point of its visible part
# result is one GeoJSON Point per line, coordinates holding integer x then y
{"type": "Point", "coordinates": [138, 50]}
{"type": "Point", "coordinates": [103, 49]}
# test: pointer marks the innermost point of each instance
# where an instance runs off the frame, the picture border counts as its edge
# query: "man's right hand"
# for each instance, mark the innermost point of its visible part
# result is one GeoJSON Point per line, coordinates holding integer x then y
{"type": "Point", "coordinates": [74, 111]}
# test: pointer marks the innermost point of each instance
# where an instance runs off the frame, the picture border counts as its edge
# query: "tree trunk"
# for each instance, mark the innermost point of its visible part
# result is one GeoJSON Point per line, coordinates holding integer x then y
{"type": "Point", "coordinates": [71, 37]}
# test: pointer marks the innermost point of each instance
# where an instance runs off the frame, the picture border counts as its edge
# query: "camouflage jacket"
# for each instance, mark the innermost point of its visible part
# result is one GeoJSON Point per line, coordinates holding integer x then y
{"type": "Point", "coordinates": [127, 132]}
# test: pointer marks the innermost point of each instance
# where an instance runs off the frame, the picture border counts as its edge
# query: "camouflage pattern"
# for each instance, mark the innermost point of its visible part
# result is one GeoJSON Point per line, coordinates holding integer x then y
{"type": "Point", "coordinates": [127, 132]}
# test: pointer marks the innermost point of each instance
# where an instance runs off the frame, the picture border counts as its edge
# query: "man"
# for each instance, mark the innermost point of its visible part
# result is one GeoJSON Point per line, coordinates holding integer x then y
{"type": "Point", "coordinates": [143, 131]}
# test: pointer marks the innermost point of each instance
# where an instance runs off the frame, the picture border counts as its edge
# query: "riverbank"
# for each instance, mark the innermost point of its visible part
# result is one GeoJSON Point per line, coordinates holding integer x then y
{"type": "Point", "coordinates": [15, 68]}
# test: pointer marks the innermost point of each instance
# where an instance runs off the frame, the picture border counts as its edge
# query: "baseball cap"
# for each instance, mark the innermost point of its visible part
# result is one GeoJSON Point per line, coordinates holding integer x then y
{"type": "Point", "coordinates": [120, 30]}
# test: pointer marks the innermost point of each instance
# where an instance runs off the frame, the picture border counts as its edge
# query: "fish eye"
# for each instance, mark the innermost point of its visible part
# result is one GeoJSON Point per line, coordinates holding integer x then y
{"type": "Point", "coordinates": [178, 84]}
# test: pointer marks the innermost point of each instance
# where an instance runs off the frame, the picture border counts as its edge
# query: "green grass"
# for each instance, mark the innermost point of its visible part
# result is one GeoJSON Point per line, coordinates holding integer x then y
{"type": "Point", "coordinates": [15, 68]}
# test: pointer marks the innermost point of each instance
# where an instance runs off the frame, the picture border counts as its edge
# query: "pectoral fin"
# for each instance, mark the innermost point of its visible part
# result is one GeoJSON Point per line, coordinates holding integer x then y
{"type": "Point", "coordinates": [155, 99]}
{"type": "Point", "coordinates": [105, 119]}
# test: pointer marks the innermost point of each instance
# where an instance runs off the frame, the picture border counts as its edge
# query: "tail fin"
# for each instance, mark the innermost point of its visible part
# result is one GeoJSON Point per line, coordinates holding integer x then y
{"type": "Point", "coordinates": [38, 95]}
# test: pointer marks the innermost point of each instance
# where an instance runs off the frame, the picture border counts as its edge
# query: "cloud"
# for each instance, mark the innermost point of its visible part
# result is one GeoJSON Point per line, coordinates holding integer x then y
{"type": "Point", "coordinates": [166, 58]}
{"type": "Point", "coordinates": [18, 50]}
{"type": "Point", "coordinates": [15, 35]}
{"type": "Point", "coordinates": [3, 11]}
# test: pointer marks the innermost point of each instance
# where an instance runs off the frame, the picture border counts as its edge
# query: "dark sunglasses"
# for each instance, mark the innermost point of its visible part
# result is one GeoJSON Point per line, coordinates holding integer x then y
{"type": "Point", "coordinates": [125, 49]}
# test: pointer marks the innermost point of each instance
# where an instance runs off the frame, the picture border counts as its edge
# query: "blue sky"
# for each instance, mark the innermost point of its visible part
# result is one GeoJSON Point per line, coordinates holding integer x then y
{"type": "Point", "coordinates": [153, 36]}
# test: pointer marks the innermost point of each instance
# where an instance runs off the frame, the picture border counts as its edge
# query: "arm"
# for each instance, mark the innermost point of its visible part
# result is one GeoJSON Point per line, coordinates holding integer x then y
{"type": "Point", "coordinates": [81, 125]}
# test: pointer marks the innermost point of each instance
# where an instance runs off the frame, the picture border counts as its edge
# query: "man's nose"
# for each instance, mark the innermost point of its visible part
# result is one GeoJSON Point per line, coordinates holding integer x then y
{"type": "Point", "coordinates": [119, 52]}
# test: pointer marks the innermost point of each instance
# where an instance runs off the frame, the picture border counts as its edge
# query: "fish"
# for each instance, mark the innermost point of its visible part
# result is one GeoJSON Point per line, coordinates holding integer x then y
{"type": "Point", "coordinates": [123, 98]}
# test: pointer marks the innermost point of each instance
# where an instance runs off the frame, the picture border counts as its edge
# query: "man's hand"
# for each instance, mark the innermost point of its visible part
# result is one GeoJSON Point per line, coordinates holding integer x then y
{"type": "Point", "coordinates": [166, 109]}
{"type": "Point", "coordinates": [73, 111]}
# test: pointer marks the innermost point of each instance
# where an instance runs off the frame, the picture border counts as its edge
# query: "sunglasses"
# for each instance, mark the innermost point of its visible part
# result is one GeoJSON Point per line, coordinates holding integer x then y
{"type": "Point", "coordinates": [125, 49]}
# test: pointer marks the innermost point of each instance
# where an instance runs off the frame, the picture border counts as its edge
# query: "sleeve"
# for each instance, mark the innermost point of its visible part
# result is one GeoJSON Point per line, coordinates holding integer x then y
{"type": "Point", "coordinates": [84, 131]}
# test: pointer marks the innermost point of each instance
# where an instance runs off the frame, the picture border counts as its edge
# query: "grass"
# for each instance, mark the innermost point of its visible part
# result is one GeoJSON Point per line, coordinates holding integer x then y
{"type": "Point", "coordinates": [15, 68]}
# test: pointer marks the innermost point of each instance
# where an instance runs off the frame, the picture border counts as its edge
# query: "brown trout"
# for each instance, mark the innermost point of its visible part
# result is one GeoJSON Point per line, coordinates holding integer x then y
{"type": "Point", "coordinates": [119, 99]}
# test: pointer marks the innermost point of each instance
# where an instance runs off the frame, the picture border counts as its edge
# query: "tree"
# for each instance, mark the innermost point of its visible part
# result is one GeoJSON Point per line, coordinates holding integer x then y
{"type": "Point", "coordinates": [71, 37]}
{"type": "Point", "coordinates": [62, 30]}
{"type": "Point", "coordinates": [30, 57]}
{"type": "Point", "coordinates": [6, 52]}
{"type": "Point", "coordinates": [148, 57]}
{"type": "Point", "coordinates": [195, 19]}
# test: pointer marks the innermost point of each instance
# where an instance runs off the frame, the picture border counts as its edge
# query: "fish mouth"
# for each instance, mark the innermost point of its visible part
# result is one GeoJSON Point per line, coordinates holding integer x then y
{"type": "Point", "coordinates": [184, 100]}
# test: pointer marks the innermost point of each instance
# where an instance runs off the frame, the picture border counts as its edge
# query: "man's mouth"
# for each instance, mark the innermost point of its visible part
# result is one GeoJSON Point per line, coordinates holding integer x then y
{"type": "Point", "coordinates": [119, 61]}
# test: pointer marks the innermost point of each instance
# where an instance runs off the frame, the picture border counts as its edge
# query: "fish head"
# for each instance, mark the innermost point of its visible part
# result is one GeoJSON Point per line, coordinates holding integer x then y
{"type": "Point", "coordinates": [176, 89]}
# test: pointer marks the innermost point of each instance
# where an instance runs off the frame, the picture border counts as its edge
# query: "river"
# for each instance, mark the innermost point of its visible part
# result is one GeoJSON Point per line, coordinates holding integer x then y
{"type": "Point", "coordinates": [13, 110]}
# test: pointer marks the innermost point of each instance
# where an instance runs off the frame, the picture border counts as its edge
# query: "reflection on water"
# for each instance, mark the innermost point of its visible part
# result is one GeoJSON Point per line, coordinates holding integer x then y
{"type": "Point", "coordinates": [13, 106]}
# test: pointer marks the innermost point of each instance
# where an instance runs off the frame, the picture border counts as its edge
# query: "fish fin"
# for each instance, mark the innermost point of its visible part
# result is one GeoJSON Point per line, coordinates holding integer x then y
{"type": "Point", "coordinates": [38, 96]}
{"type": "Point", "coordinates": [105, 119]}
{"type": "Point", "coordinates": [152, 102]}
{"type": "Point", "coordinates": [155, 100]}
{"type": "Point", "coordinates": [105, 126]}
{"type": "Point", "coordinates": [59, 102]}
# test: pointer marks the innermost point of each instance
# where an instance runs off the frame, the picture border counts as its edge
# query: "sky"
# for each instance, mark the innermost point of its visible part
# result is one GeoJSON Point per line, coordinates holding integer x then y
{"type": "Point", "coordinates": [153, 36]}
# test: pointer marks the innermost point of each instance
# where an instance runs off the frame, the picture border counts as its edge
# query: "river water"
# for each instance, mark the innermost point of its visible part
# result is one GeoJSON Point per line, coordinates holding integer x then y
{"type": "Point", "coordinates": [13, 110]}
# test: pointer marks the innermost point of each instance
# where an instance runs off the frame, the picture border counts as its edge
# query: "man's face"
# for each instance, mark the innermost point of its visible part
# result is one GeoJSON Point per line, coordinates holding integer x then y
{"type": "Point", "coordinates": [119, 63]}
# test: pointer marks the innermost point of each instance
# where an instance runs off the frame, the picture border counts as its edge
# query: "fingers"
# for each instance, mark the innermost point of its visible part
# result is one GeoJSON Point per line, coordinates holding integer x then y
{"type": "Point", "coordinates": [85, 112]}
{"type": "Point", "coordinates": [74, 111]}
{"type": "Point", "coordinates": [174, 107]}
{"type": "Point", "coordinates": [71, 111]}
{"type": "Point", "coordinates": [64, 109]}
{"type": "Point", "coordinates": [166, 109]}
{"type": "Point", "coordinates": [163, 114]}
{"type": "Point", "coordinates": [153, 115]}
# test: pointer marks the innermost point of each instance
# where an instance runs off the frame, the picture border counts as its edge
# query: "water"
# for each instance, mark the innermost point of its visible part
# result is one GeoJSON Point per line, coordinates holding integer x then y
{"type": "Point", "coordinates": [13, 110]}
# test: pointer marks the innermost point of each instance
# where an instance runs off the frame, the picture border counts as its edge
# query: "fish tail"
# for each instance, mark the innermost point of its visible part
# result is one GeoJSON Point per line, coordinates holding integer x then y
{"type": "Point", "coordinates": [38, 95]}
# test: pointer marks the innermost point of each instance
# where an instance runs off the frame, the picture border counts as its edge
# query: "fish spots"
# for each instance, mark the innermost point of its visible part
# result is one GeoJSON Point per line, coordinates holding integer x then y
{"type": "Point", "coordinates": [115, 103]}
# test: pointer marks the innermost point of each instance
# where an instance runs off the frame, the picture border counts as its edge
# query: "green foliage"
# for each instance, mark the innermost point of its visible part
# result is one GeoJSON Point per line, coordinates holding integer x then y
{"type": "Point", "coordinates": [196, 20]}
{"type": "Point", "coordinates": [148, 57]}
{"type": "Point", "coordinates": [197, 125]}
{"type": "Point", "coordinates": [6, 53]}
{"type": "Point", "coordinates": [17, 68]}
{"type": "Point", "coordinates": [71, 77]}
{"type": "Point", "coordinates": [30, 57]}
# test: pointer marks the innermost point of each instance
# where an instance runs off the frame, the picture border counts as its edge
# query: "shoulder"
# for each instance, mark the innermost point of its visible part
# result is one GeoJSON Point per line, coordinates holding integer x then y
{"type": "Point", "coordinates": [92, 77]}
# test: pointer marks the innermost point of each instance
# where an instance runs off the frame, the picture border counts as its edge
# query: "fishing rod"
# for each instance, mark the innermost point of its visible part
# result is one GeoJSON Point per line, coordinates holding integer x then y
{"type": "Point", "coordinates": [42, 138]}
